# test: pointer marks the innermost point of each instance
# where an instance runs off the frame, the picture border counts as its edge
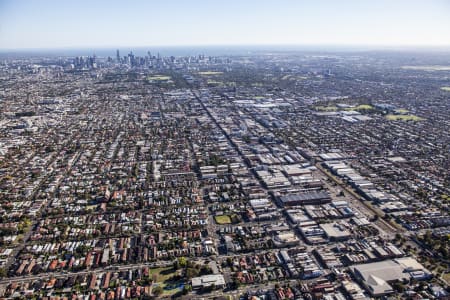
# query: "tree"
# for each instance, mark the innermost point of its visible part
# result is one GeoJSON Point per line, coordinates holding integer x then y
{"type": "Point", "coordinates": [176, 265]}
{"type": "Point", "coordinates": [182, 261]}
{"type": "Point", "coordinates": [399, 287]}
{"type": "Point", "coordinates": [157, 291]}
{"type": "Point", "coordinates": [204, 270]}
{"type": "Point", "coordinates": [229, 261]}
{"type": "Point", "coordinates": [443, 250]}
{"type": "Point", "coordinates": [187, 289]}
{"type": "Point", "coordinates": [191, 272]}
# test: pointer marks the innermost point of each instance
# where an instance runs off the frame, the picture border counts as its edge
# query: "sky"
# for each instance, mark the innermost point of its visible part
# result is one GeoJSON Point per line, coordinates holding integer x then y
{"type": "Point", "coordinates": [47, 24]}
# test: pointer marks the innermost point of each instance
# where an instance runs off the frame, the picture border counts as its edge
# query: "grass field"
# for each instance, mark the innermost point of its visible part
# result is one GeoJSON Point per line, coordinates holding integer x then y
{"type": "Point", "coordinates": [404, 118]}
{"type": "Point", "coordinates": [161, 277]}
{"type": "Point", "coordinates": [360, 107]}
{"type": "Point", "coordinates": [446, 278]}
{"type": "Point", "coordinates": [158, 78]}
{"type": "Point", "coordinates": [402, 111]}
{"type": "Point", "coordinates": [446, 88]}
{"type": "Point", "coordinates": [335, 108]}
{"type": "Point", "coordinates": [292, 77]}
{"type": "Point", "coordinates": [214, 82]}
{"type": "Point", "coordinates": [208, 73]}
{"type": "Point", "coordinates": [223, 219]}
{"type": "Point", "coordinates": [427, 68]}
{"type": "Point", "coordinates": [326, 108]}
{"type": "Point", "coordinates": [161, 274]}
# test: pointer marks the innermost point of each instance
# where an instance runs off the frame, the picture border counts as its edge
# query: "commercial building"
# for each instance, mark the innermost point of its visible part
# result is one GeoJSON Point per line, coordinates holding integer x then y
{"type": "Point", "coordinates": [308, 198]}
{"type": "Point", "coordinates": [335, 231]}
{"type": "Point", "coordinates": [215, 280]}
{"type": "Point", "coordinates": [377, 277]}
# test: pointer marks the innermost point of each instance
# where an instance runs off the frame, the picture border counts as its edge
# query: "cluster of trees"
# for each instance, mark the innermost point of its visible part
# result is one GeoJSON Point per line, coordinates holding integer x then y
{"type": "Point", "coordinates": [157, 291]}
{"type": "Point", "coordinates": [25, 114]}
{"type": "Point", "coordinates": [191, 269]}
{"type": "Point", "coordinates": [437, 245]}
{"type": "Point", "coordinates": [20, 229]}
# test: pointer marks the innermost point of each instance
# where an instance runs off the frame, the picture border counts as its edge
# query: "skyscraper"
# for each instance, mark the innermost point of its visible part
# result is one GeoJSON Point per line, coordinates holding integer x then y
{"type": "Point", "coordinates": [118, 55]}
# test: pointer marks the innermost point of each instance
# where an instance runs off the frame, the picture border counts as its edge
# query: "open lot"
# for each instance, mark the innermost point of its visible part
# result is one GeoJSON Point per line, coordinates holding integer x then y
{"type": "Point", "coordinates": [361, 107]}
{"type": "Point", "coordinates": [208, 73]}
{"type": "Point", "coordinates": [224, 219]}
{"type": "Point", "coordinates": [326, 108]}
{"type": "Point", "coordinates": [402, 111]}
{"type": "Point", "coordinates": [404, 118]}
{"type": "Point", "coordinates": [163, 277]}
{"type": "Point", "coordinates": [158, 78]}
{"type": "Point", "coordinates": [427, 68]}
{"type": "Point", "coordinates": [446, 278]}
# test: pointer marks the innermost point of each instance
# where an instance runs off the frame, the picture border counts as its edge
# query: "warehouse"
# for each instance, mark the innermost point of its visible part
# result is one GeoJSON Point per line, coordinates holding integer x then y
{"type": "Point", "coordinates": [308, 198]}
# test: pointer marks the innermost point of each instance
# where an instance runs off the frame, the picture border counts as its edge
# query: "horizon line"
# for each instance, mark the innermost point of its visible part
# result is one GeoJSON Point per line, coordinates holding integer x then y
{"type": "Point", "coordinates": [318, 45]}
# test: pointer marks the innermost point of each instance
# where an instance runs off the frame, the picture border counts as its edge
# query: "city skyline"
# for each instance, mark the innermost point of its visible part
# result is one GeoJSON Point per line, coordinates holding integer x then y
{"type": "Point", "coordinates": [81, 24]}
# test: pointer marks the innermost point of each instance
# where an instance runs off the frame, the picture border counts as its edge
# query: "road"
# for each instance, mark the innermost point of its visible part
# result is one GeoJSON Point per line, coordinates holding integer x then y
{"type": "Point", "coordinates": [65, 274]}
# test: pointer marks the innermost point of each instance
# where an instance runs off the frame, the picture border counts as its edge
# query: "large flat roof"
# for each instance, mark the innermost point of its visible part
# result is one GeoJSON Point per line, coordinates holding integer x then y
{"type": "Point", "coordinates": [376, 276]}
{"type": "Point", "coordinates": [207, 280]}
{"type": "Point", "coordinates": [302, 197]}
{"type": "Point", "coordinates": [333, 230]}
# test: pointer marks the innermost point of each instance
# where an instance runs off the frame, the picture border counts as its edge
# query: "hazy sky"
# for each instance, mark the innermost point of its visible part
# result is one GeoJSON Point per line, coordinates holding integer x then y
{"type": "Point", "coordinates": [111, 23]}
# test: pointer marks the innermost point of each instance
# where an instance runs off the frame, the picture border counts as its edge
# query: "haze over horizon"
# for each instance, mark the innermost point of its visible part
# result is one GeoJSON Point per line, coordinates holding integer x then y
{"type": "Point", "coordinates": [51, 24]}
